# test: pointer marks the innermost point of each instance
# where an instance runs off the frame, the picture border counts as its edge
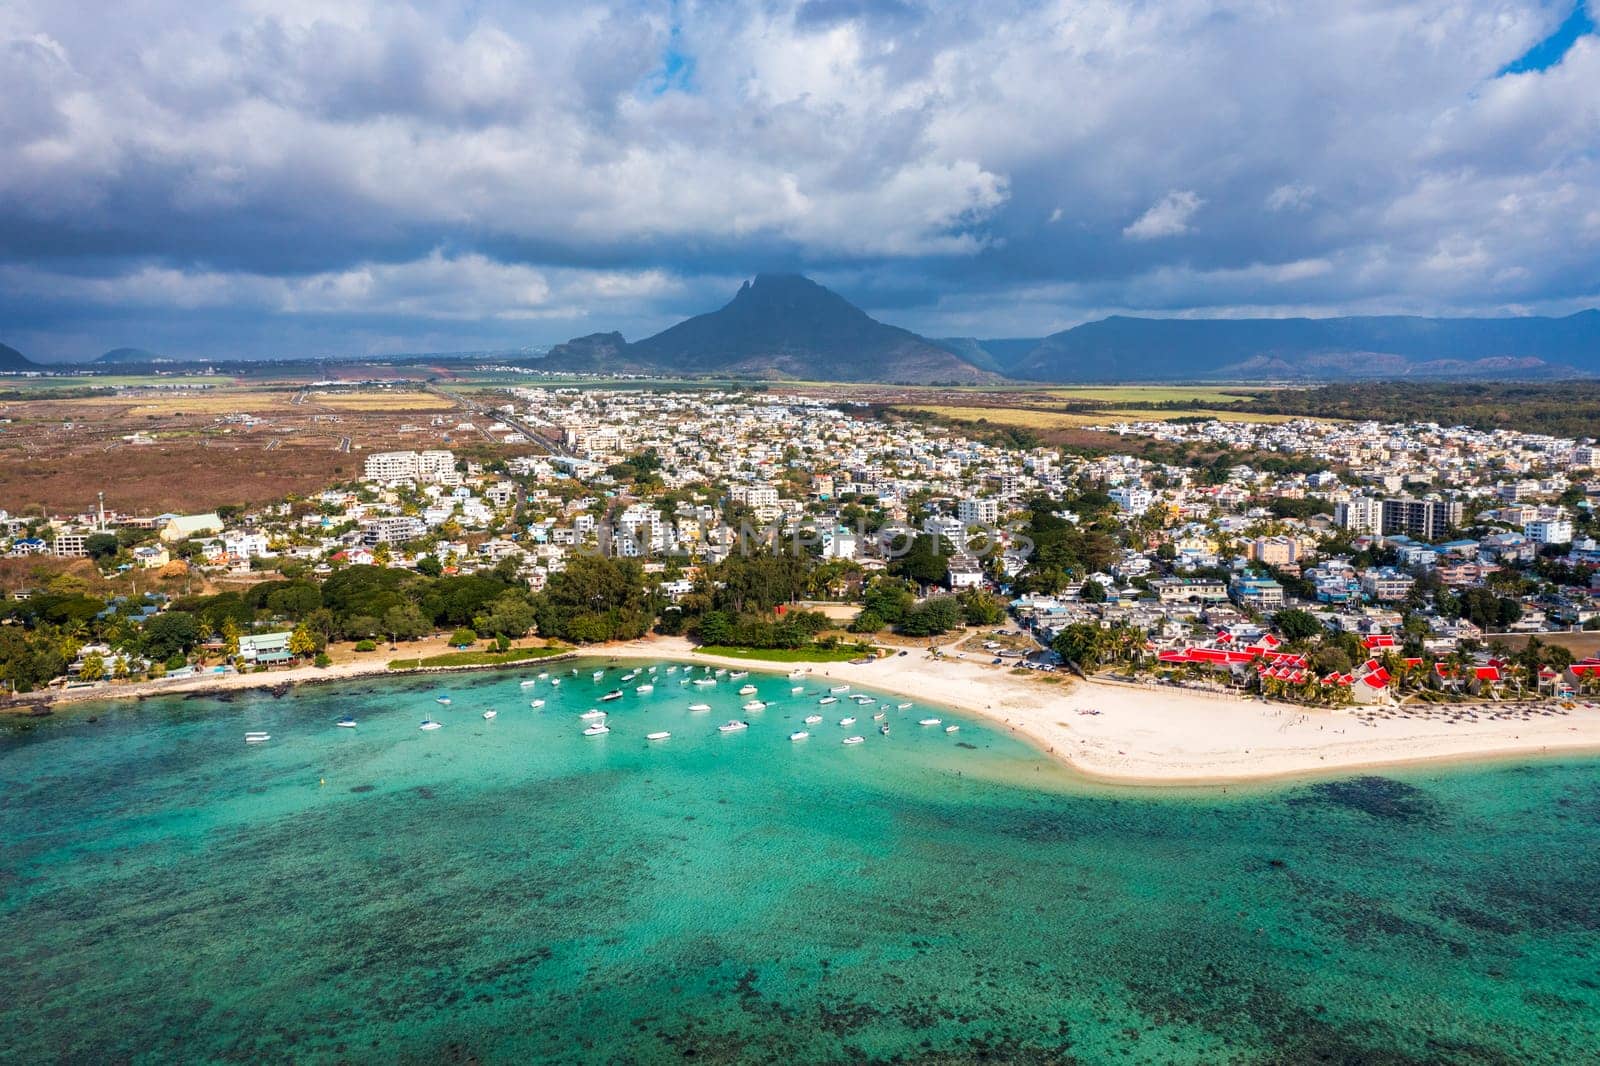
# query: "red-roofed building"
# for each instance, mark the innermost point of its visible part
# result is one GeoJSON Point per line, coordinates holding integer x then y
{"type": "Point", "coordinates": [1486, 681]}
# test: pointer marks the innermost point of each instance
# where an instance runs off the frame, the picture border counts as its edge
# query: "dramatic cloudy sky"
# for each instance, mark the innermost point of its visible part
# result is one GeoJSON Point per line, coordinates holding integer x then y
{"type": "Point", "coordinates": [271, 177]}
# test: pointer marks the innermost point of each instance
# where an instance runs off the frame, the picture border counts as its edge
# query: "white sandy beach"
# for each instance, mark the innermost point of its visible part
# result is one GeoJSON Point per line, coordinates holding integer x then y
{"type": "Point", "coordinates": [1142, 734]}
{"type": "Point", "coordinates": [1172, 736]}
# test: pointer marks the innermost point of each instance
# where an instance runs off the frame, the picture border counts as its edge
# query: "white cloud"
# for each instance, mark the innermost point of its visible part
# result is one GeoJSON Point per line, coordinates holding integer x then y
{"type": "Point", "coordinates": [1167, 217]}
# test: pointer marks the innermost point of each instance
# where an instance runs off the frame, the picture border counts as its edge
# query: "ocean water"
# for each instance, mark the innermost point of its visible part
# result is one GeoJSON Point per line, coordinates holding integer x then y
{"type": "Point", "coordinates": [510, 891]}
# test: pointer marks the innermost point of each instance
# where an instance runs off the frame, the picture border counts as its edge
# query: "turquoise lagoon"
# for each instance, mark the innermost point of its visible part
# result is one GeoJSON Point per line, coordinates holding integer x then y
{"type": "Point", "coordinates": [510, 891]}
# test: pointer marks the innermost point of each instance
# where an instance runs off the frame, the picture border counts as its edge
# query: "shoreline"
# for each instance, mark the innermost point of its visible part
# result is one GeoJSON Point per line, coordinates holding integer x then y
{"type": "Point", "coordinates": [1150, 736]}
{"type": "Point", "coordinates": [1156, 736]}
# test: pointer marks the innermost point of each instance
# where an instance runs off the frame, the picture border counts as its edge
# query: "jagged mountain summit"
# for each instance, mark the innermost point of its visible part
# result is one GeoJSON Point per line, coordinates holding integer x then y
{"type": "Point", "coordinates": [779, 325]}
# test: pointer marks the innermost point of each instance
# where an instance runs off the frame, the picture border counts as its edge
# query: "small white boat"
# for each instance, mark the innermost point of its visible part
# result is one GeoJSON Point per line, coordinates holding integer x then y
{"type": "Point", "coordinates": [813, 719]}
{"type": "Point", "coordinates": [599, 729]}
{"type": "Point", "coordinates": [653, 669]}
{"type": "Point", "coordinates": [529, 683]}
{"type": "Point", "coordinates": [683, 681]}
{"type": "Point", "coordinates": [699, 706]}
{"type": "Point", "coordinates": [738, 675]}
{"type": "Point", "coordinates": [884, 729]}
{"type": "Point", "coordinates": [536, 704]}
{"type": "Point", "coordinates": [543, 674]}
{"type": "Point", "coordinates": [732, 727]}
{"type": "Point", "coordinates": [346, 722]}
{"type": "Point", "coordinates": [555, 681]}
{"type": "Point", "coordinates": [754, 705]}
{"type": "Point", "coordinates": [663, 735]}
{"type": "Point", "coordinates": [703, 681]}
{"type": "Point", "coordinates": [904, 706]}
{"type": "Point", "coordinates": [721, 670]}
{"type": "Point", "coordinates": [443, 701]}
{"type": "Point", "coordinates": [839, 688]}
{"type": "Point", "coordinates": [629, 676]}
{"type": "Point", "coordinates": [796, 675]}
{"type": "Point", "coordinates": [824, 701]}
{"type": "Point", "coordinates": [670, 669]}
{"type": "Point", "coordinates": [747, 690]}
{"type": "Point", "coordinates": [849, 720]}
{"type": "Point", "coordinates": [880, 716]}
{"type": "Point", "coordinates": [598, 674]}
{"type": "Point", "coordinates": [952, 729]}
{"type": "Point", "coordinates": [854, 740]}
{"type": "Point", "coordinates": [863, 700]}
{"type": "Point", "coordinates": [429, 724]}
{"type": "Point", "coordinates": [929, 721]}
{"type": "Point", "coordinates": [797, 690]}
{"type": "Point", "coordinates": [614, 694]}
{"type": "Point", "coordinates": [257, 737]}
{"type": "Point", "coordinates": [490, 714]}
{"type": "Point", "coordinates": [645, 689]}
{"type": "Point", "coordinates": [799, 734]}
{"type": "Point", "coordinates": [592, 713]}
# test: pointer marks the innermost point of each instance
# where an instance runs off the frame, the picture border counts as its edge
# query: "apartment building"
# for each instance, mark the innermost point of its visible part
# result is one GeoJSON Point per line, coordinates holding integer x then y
{"type": "Point", "coordinates": [1425, 519]}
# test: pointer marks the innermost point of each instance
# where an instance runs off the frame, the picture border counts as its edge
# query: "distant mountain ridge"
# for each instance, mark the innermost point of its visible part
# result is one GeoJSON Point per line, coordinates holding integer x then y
{"type": "Point", "coordinates": [779, 325]}
{"type": "Point", "coordinates": [1166, 349]}
{"type": "Point", "coordinates": [11, 359]}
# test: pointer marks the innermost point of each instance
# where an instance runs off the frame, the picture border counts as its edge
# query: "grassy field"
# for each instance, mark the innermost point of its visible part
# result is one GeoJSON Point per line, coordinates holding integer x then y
{"type": "Point", "coordinates": [1117, 394]}
{"type": "Point", "coordinates": [477, 658]}
{"type": "Point", "coordinates": [787, 655]}
{"type": "Point", "coordinates": [381, 401]}
{"type": "Point", "coordinates": [1042, 419]}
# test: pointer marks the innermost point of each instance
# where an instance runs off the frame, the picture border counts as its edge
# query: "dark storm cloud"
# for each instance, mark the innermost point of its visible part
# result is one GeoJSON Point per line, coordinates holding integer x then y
{"type": "Point", "coordinates": [355, 175]}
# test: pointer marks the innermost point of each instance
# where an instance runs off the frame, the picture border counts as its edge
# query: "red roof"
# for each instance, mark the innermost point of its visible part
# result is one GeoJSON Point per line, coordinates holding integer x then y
{"type": "Point", "coordinates": [1487, 673]}
{"type": "Point", "coordinates": [1377, 678]}
{"type": "Point", "coordinates": [1378, 640]}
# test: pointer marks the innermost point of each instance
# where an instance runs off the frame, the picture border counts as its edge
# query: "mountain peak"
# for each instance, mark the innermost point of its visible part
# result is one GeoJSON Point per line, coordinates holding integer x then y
{"type": "Point", "coordinates": [787, 324]}
{"type": "Point", "coordinates": [11, 359]}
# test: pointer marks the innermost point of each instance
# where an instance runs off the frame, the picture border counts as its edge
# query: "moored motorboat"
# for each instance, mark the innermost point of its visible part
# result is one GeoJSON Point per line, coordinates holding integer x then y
{"type": "Point", "coordinates": [754, 705]}
{"type": "Point", "coordinates": [880, 716]}
{"type": "Point", "coordinates": [555, 681]}
{"type": "Point", "coordinates": [629, 676]}
{"type": "Point", "coordinates": [826, 700]}
{"type": "Point", "coordinates": [346, 722]}
{"type": "Point", "coordinates": [592, 713]}
{"type": "Point", "coordinates": [257, 737]}
{"type": "Point", "coordinates": [929, 721]}
{"type": "Point", "coordinates": [884, 729]}
{"type": "Point", "coordinates": [599, 729]}
{"type": "Point", "coordinates": [699, 706]}
{"type": "Point", "coordinates": [543, 674]}
{"type": "Point", "coordinates": [853, 740]}
{"type": "Point", "coordinates": [598, 674]}
{"type": "Point", "coordinates": [536, 704]}
{"type": "Point", "coordinates": [847, 720]}
{"type": "Point", "coordinates": [813, 719]}
{"type": "Point", "coordinates": [490, 714]}
{"type": "Point", "coordinates": [797, 690]}
{"type": "Point", "coordinates": [747, 690]}
{"type": "Point", "coordinates": [799, 734]}
{"type": "Point", "coordinates": [662, 735]}
{"type": "Point", "coordinates": [529, 683]}
{"type": "Point", "coordinates": [645, 689]}
{"type": "Point", "coordinates": [704, 681]}
{"type": "Point", "coordinates": [840, 688]}
{"type": "Point", "coordinates": [904, 706]}
{"type": "Point", "coordinates": [443, 701]}
{"type": "Point", "coordinates": [738, 675]}
{"type": "Point", "coordinates": [614, 694]}
{"type": "Point", "coordinates": [952, 729]}
{"type": "Point", "coordinates": [429, 724]}
{"type": "Point", "coordinates": [796, 675]}
{"type": "Point", "coordinates": [732, 727]}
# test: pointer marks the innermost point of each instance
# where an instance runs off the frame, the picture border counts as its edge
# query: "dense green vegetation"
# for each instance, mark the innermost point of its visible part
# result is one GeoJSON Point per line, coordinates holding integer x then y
{"type": "Point", "coordinates": [814, 653]}
{"type": "Point", "coordinates": [476, 658]}
{"type": "Point", "coordinates": [1566, 408]}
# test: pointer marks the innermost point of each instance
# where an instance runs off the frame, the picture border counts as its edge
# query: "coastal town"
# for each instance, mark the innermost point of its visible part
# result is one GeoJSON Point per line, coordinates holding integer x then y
{"type": "Point", "coordinates": [1327, 563]}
